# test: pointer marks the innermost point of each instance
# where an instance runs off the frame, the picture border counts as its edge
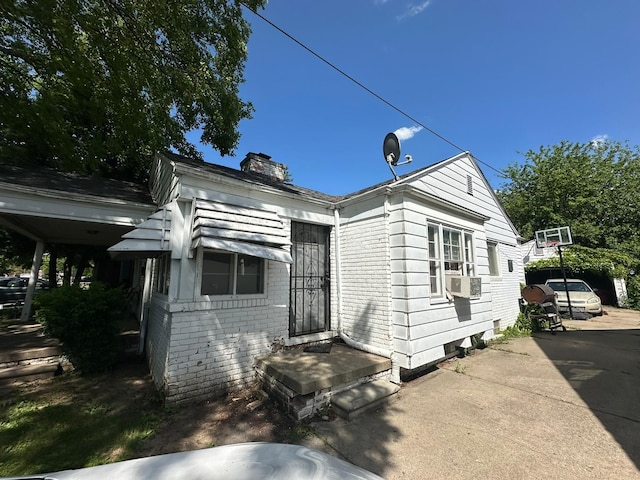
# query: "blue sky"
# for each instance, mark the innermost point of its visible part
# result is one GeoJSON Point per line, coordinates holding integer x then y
{"type": "Point", "coordinates": [495, 77]}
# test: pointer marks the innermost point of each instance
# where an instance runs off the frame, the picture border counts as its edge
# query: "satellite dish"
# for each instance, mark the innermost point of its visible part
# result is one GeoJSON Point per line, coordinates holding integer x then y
{"type": "Point", "coordinates": [391, 152]}
{"type": "Point", "coordinates": [391, 149]}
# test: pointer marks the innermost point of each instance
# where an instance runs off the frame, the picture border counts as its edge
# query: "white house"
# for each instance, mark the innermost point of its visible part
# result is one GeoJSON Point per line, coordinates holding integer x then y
{"type": "Point", "coordinates": [532, 253]}
{"type": "Point", "coordinates": [240, 264]}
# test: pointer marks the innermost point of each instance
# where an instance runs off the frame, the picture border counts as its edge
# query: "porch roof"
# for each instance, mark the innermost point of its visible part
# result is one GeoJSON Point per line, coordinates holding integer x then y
{"type": "Point", "coordinates": [68, 208]}
{"type": "Point", "coordinates": [149, 239]}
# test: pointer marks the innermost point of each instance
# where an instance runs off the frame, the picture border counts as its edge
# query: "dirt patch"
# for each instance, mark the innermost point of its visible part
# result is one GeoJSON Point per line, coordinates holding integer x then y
{"type": "Point", "coordinates": [245, 416]}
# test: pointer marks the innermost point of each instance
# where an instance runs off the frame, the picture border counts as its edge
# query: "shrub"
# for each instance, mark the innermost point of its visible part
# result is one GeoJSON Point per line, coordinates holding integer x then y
{"type": "Point", "coordinates": [86, 321]}
{"type": "Point", "coordinates": [633, 292]}
{"type": "Point", "coordinates": [523, 327]}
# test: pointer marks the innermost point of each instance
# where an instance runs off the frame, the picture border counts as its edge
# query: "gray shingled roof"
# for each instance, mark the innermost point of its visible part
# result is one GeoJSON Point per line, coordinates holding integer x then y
{"type": "Point", "coordinates": [48, 179]}
{"type": "Point", "coordinates": [252, 178]}
{"type": "Point", "coordinates": [257, 179]}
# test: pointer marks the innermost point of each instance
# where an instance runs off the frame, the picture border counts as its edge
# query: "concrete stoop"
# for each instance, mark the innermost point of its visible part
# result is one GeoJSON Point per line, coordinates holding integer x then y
{"type": "Point", "coordinates": [305, 380]}
{"type": "Point", "coordinates": [364, 398]}
{"type": "Point", "coordinates": [301, 406]}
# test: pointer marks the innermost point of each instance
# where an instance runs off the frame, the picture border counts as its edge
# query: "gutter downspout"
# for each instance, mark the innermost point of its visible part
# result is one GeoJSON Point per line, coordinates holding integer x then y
{"type": "Point", "coordinates": [343, 336]}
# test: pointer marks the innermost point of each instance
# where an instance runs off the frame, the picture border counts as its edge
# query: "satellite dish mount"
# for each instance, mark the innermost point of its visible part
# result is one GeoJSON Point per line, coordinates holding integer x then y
{"type": "Point", "coordinates": [391, 152]}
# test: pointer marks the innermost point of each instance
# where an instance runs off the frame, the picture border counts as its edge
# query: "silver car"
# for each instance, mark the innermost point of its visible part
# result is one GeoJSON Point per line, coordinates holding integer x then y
{"type": "Point", "coordinates": [243, 461]}
{"type": "Point", "coordinates": [583, 298]}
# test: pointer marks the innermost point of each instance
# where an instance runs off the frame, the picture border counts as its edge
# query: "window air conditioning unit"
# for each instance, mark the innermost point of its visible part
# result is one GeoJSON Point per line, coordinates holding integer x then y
{"type": "Point", "coordinates": [464, 287]}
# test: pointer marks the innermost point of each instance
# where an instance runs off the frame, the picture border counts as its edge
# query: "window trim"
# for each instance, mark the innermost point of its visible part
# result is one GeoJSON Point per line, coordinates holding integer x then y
{"type": "Point", "coordinates": [493, 246]}
{"type": "Point", "coordinates": [234, 295]}
{"type": "Point", "coordinates": [466, 253]}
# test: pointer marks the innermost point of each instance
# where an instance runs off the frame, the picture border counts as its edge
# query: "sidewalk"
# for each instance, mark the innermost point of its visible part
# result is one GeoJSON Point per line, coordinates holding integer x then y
{"type": "Point", "coordinates": [552, 406]}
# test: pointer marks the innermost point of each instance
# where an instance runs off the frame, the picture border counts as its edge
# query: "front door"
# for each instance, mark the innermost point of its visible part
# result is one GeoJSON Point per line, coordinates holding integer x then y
{"type": "Point", "coordinates": [309, 308]}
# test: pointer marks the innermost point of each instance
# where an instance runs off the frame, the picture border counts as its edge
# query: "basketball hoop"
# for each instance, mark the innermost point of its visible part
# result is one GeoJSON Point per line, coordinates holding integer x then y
{"type": "Point", "coordinates": [553, 237]}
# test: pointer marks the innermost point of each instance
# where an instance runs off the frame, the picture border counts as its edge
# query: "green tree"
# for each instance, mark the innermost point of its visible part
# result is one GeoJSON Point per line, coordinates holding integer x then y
{"type": "Point", "coordinates": [100, 86]}
{"type": "Point", "coordinates": [16, 251]}
{"type": "Point", "coordinates": [593, 188]}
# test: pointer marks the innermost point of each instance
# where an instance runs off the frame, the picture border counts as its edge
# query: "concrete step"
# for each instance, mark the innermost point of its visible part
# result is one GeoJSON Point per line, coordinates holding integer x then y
{"type": "Point", "coordinates": [26, 373]}
{"type": "Point", "coordinates": [21, 355]}
{"type": "Point", "coordinates": [363, 398]}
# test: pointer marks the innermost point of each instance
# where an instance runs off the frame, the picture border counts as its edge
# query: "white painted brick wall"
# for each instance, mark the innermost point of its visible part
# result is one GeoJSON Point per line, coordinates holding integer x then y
{"type": "Point", "coordinates": [366, 281]}
{"type": "Point", "coordinates": [213, 344]}
{"type": "Point", "coordinates": [157, 341]}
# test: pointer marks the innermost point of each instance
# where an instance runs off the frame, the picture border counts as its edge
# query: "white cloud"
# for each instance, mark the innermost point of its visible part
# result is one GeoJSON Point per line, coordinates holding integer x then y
{"type": "Point", "coordinates": [413, 10]}
{"type": "Point", "coordinates": [405, 133]}
{"type": "Point", "coordinates": [599, 140]}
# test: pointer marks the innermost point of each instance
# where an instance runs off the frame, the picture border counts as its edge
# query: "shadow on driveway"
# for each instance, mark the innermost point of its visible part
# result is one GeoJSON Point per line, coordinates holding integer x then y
{"type": "Point", "coordinates": [601, 362]}
{"type": "Point", "coordinates": [549, 406]}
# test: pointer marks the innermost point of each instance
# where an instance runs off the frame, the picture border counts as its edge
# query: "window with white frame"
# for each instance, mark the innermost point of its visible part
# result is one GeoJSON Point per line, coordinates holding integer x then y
{"type": "Point", "coordinates": [231, 274]}
{"type": "Point", "coordinates": [162, 270]}
{"type": "Point", "coordinates": [435, 264]}
{"type": "Point", "coordinates": [468, 255]}
{"type": "Point", "coordinates": [450, 252]}
{"type": "Point", "coordinates": [494, 259]}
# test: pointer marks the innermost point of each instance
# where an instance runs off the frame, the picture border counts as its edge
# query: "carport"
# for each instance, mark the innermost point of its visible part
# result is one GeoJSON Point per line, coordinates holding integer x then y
{"type": "Point", "coordinates": [52, 207]}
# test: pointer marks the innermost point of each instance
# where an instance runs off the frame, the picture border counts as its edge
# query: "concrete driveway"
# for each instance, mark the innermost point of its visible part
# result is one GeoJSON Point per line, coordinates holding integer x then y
{"type": "Point", "coordinates": [552, 406]}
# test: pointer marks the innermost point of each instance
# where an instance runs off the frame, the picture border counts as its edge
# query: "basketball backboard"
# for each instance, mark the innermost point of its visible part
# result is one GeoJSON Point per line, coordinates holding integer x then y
{"type": "Point", "coordinates": [553, 237]}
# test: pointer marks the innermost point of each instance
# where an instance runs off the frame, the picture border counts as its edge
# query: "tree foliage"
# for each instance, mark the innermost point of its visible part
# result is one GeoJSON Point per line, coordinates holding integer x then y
{"type": "Point", "coordinates": [100, 86]}
{"type": "Point", "coordinates": [579, 259]}
{"type": "Point", "coordinates": [16, 251]}
{"type": "Point", "coordinates": [593, 188]}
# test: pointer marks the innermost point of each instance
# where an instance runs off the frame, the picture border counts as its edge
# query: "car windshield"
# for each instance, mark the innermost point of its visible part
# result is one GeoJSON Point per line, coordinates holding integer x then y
{"type": "Point", "coordinates": [571, 286]}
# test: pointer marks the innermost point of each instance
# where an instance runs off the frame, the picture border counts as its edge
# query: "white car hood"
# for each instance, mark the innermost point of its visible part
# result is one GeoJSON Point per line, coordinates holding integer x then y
{"type": "Point", "coordinates": [272, 461]}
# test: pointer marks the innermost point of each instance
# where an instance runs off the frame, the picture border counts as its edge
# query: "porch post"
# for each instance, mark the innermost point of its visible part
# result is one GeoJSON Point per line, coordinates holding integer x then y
{"type": "Point", "coordinates": [144, 308]}
{"type": "Point", "coordinates": [33, 277]}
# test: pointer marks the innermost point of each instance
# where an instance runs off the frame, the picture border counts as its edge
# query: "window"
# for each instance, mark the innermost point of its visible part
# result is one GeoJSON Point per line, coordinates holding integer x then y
{"type": "Point", "coordinates": [231, 274]}
{"type": "Point", "coordinates": [494, 264]}
{"type": "Point", "coordinates": [162, 270]}
{"type": "Point", "coordinates": [435, 277]}
{"type": "Point", "coordinates": [468, 255]}
{"type": "Point", "coordinates": [450, 253]}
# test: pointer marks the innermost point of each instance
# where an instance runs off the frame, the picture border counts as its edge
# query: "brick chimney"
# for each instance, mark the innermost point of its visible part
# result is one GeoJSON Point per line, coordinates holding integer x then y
{"type": "Point", "coordinates": [262, 164]}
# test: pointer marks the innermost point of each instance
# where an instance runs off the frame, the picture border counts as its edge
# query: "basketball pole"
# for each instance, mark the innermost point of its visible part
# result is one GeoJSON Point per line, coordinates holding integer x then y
{"type": "Point", "coordinates": [566, 287]}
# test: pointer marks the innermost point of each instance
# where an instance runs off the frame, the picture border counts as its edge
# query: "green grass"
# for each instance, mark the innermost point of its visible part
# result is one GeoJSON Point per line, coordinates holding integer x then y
{"type": "Point", "coordinates": [508, 350]}
{"type": "Point", "coordinates": [51, 430]}
{"type": "Point", "coordinates": [460, 368]}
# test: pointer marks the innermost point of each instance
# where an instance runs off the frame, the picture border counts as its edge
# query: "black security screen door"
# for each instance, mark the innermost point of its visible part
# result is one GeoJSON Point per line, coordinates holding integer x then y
{"type": "Point", "coordinates": [309, 309]}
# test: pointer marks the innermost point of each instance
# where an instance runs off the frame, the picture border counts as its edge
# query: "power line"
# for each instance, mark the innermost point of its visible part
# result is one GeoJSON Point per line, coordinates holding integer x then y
{"type": "Point", "coordinates": [367, 89]}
